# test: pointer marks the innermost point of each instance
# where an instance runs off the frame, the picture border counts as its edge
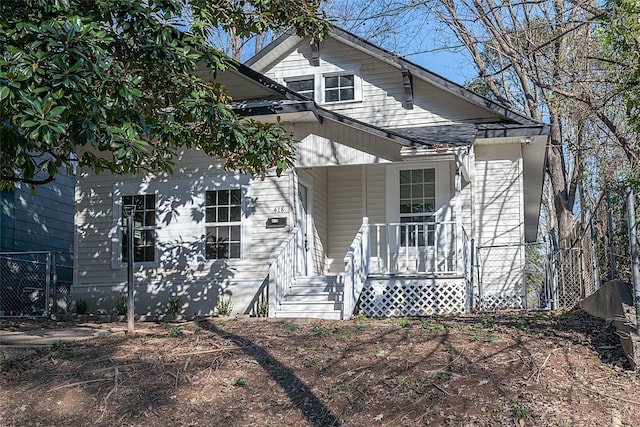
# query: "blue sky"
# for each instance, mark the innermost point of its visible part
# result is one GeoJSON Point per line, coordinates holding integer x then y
{"type": "Point", "coordinates": [450, 65]}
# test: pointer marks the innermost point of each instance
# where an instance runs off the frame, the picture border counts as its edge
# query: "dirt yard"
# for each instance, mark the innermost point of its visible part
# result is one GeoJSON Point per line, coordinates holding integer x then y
{"type": "Point", "coordinates": [495, 370]}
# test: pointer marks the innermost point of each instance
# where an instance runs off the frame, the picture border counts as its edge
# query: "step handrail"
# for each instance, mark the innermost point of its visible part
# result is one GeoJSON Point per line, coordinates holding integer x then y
{"type": "Point", "coordinates": [356, 269]}
{"type": "Point", "coordinates": [282, 267]}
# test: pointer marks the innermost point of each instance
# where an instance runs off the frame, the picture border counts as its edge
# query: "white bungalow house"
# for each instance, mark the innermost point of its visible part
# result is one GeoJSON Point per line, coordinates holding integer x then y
{"type": "Point", "coordinates": [399, 174]}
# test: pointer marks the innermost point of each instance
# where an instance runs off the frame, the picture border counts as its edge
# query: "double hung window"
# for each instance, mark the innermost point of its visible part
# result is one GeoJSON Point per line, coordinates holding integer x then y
{"type": "Point", "coordinates": [417, 206]}
{"type": "Point", "coordinates": [223, 217]}
{"type": "Point", "coordinates": [144, 223]}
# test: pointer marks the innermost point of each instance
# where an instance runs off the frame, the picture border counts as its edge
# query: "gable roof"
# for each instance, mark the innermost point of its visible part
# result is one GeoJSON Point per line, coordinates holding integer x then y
{"type": "Point", "coordinates": [257, 95]}
{"type": "Point", "coordinates": [289, 40]}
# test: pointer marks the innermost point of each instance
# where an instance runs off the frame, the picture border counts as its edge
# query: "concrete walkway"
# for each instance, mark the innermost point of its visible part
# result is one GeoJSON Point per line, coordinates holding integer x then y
{"type": "Point", "coordinates": [45, 337]}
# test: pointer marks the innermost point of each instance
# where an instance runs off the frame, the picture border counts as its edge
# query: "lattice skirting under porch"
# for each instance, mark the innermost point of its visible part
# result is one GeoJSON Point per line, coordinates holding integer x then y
{"type": "Point", "coordinates": [502, 301]}
{"type": "Point", "coordinates": [413, 298]}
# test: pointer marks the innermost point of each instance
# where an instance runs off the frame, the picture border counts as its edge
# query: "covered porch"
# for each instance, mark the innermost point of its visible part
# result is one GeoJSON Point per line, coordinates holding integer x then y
{"type": "Point", "coordinates": [385, 239]}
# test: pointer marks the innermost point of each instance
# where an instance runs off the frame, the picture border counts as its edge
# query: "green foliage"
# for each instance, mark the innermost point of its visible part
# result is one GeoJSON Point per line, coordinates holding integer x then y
{"type": "Point", "coordinates": [121, 305]}
{"type": "Point", "coordinates": [431, 327]}
{"type": "Point", "coordinates": [174, 306]}
{"type": "Point", "coordinates": [176, 331]}
{"type": "Point", "coordinates": [112, 85]}
{"type": "Point", "coordinates": [360, 317]}
{"type": "Point", "coordinates": [81, 306]}
{"type": "Point", "coordinates": [620, 34]}
{"type": "Point", "coordinates": [240, 382]}
{"type": "Point", "coordinates": [318, 330]}
{"type": "Point", "coordinates": [405, 323]}
{"type": "Point", "coordinates": [290, 327]}
{"type": "Point", "coordinates": [9, 364]}
{"type": "Point", "coordinates": [310, 363]}
{"type": "Point", "coordinates": [224, 306]}
{"type": "Point", "coordinates": [263, 309]}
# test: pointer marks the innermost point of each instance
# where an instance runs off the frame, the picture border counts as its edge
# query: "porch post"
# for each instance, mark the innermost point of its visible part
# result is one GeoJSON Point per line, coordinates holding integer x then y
{"type": "Point", "coordinates": [460, 262]}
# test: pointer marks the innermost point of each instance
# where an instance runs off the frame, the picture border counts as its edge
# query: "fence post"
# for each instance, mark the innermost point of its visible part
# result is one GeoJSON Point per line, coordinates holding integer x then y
{"type": "Point", "coordinates": [612, 246]}
{"type": "Point", "coordinates": [554, 279]}
{"type": "Point", "coordinates": [594, 263]}
{"type": "Point", "coordinates": [633, 245]}
{"type": "Point", "coordinates": [471, 272]}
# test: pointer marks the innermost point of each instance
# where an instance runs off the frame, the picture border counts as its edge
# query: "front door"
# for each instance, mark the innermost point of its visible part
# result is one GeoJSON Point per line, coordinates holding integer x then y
{"type": "Point", "coordinates": [303, 233]}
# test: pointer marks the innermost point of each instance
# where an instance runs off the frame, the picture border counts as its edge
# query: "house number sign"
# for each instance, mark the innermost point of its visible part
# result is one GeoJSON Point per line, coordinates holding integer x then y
{"type": "Point", "coordinates": [280, 209]}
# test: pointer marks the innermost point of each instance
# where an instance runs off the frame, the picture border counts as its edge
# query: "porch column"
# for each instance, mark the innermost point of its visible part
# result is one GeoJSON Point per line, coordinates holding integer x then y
{"type": "Point", "coordinates": [460, 259]}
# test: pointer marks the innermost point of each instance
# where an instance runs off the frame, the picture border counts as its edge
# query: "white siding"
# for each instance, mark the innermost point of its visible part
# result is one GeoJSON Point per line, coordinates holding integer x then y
{"type": "Point", "coordinates": [375, 202]}
{"type": "Point", "coordinates": [331, 143]}
{"type": "Point", "coordinates": [181, 265]}
{"type": "Point", "coordinates": [499, 216]}
{"type": "Point", "coordinates": [345, 212]}
{"type": "Point", "coordinates": [383, 94]}
{"type": "Point", "coordinates": [497, 192]}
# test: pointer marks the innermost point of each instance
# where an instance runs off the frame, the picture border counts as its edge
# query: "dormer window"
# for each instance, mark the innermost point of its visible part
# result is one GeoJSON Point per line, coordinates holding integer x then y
{"type": "Point", "coordinates": [303, 86]}
{"type": "Point", "coordinates": [339, 88]}
{"type": "Point", "coordinates": [327, 85]}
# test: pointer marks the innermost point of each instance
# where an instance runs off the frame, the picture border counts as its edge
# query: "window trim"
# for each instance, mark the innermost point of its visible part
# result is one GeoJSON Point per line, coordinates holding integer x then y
{"type": "Point", "coordinates": [324, 77]}
{"type": "Point", "coordinates": [318, 74]}
{"type": "Point", "coordinates": [444, 194]}
{"type": "Point", "coordinates": [210, 224]}
{"type": "Point", "coordinates": [142, 229]}
{"type": "Point", "coordinates": [303, 78]}
{"type": "Point", "coordinates": [165, 190]}
{"type": "Point", "coordinates": [245, 220]}
{"type": "Point", "coordinates": [120, 191]}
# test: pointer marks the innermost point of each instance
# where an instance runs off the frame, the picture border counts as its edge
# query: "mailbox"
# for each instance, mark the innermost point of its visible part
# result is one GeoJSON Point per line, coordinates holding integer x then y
{"type": "Point", "coordinates": [277, 222]}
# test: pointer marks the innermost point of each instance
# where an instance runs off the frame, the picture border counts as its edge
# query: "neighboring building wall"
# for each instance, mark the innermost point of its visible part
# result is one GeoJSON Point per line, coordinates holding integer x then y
{"type": "Point", "coordinates": [181, 268]}
{"type": "Point", "coordinates": [499, 216]}
{"type": "Point", "coordinates": [40, 221]}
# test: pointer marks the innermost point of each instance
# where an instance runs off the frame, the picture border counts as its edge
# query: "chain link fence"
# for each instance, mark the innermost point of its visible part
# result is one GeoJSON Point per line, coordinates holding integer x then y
{"type": "Point", "coordinates": [35, 284]}
{"type": "Point", "coordinates": [512, 277]}
{"type": "Point", "coordinates": [537, 277]}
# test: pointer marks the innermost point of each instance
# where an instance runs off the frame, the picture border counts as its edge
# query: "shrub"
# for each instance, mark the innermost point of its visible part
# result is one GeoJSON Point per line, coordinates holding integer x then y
{"type": "Point", "coordinates": [175, 305]}
{"type": "Point", "coordinates": [224, 306]}
{"type": "Point", "coordinates": [81, 306]}
{"type": "Point", "coordinates": [121, 305]}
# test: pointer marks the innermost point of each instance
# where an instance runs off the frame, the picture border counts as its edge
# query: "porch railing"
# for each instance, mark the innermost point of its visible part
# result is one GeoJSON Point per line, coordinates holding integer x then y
{"type": "Point", "coordinates": [282, 269]}
{"type": "Point", "coordinates": [356, 269]}
{"type": "Point", "coordinates": [416, 248]}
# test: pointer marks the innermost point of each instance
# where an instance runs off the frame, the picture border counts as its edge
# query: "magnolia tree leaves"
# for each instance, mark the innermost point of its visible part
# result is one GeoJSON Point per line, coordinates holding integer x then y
{"type": "Point", "coordinates": [111, 85]}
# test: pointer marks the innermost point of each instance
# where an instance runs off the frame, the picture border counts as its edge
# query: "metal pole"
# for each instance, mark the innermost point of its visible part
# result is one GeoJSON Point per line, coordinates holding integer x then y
{"type": "Point", "coordinates": [129, 211]}
{"type": "Point", "coordinates": [633, 245]}
{"type": "Point", "coordinates": [594, 263]}
{"type": "Point", "coordinates": [612, 246]}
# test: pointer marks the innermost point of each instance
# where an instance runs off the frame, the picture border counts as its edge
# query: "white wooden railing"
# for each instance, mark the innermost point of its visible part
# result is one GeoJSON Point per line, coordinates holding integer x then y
{"type": "Point", "coordinates": [356, 269]}
{"type": "Point", "coordinates": [282, 270]}
{"type": "Point", "coordinates": [416, 248]}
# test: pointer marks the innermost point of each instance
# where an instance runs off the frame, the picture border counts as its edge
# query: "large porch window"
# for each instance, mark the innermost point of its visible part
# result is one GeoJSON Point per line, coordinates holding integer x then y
{"type": "Point", "coordinates": [417, 207]}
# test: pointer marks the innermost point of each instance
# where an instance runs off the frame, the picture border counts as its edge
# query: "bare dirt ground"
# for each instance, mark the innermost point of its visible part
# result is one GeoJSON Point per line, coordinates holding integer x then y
{"type": "Point", "coordinates": [563, 369]}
